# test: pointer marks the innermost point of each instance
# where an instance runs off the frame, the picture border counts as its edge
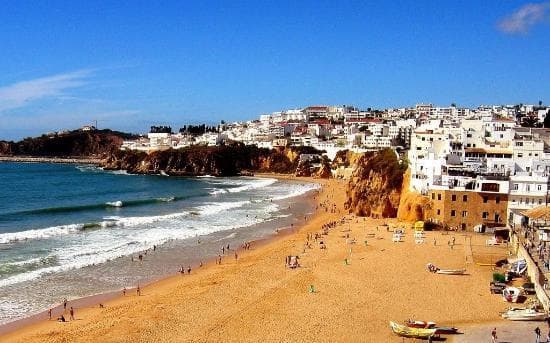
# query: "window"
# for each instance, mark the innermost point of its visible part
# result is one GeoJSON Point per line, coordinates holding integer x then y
{"type": "Point", "coordinates": [464, 198]}
{"type": "Point", "coordinates": [516, 186]}
{"type": "Point", "coordinates": [520, 155]}
{"type": "Point", "coordinates": [433, 196]}
{"type": "Point", "coordinates": [485, 199]}
{"type": "Point", "coordinates": [453, 197]}
{"type": "Point", "coordinates": [485, 215]}
{"type": "Point", "coordinates": [453, 213]}
{"type": "Point", "coordinates": [497, 199]}
{"type": "Point", "coordinates": [464, 214]}
{"type": "Point", "coordinates": [539, 187]}
{"type": "Point", "coordinates": [528, 188]}
{"type": "Point", "coordinates": [439, 196]}
{"type": "Point", "coordinates": [438, 212]}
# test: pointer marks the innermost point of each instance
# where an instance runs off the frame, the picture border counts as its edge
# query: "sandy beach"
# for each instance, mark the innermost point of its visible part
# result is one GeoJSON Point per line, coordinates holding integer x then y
{"type": "Point", "coordinates": [256, 298]}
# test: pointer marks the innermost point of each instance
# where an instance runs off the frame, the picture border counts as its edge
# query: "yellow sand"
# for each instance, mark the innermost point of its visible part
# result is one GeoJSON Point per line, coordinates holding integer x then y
{"type": "Point", "coordinates": [257, 299]}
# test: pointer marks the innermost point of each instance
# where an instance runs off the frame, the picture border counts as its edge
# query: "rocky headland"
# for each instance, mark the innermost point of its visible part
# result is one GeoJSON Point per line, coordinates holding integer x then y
{"type": "Point", "coordinates": [224, 160]}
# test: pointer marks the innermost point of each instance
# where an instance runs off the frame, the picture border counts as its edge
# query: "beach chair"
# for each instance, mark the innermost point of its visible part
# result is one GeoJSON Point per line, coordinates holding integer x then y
{"type": "Point", "coordinates": [396, 237]}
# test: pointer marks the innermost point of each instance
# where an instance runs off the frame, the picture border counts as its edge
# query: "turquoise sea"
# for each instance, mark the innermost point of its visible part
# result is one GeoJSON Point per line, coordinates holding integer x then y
{"type": "Point", "coordinates": [72, 230]}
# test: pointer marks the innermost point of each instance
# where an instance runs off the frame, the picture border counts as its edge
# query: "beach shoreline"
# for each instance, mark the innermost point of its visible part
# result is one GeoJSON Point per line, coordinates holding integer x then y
{"type": "Point", "coordinates": [356, 285]}
{"type": "Point", "coordinates": [103, 297]}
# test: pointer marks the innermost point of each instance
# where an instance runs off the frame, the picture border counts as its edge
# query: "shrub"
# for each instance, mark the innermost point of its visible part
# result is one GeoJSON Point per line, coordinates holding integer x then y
{"type": "Point", "coordinates": [498, 277]}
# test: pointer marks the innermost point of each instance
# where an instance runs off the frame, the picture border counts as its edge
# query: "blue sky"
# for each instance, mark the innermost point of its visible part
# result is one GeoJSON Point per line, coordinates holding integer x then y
{"type": "Point", "coordinates": [135, 64]}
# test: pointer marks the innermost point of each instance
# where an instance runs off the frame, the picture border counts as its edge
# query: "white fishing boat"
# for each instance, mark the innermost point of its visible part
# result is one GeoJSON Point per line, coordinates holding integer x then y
{"type": "Point", "coordinates": [524, 314]}
{"type": "Point", "coordinates": [511, 294]}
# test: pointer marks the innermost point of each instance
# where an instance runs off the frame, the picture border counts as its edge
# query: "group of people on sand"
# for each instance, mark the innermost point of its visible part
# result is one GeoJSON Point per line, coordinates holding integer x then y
{"type": "Point", "coordinates": [182, 270]}
{"type": "Point", "coordinates": [142, 254]}
{"type": "Point", "coordinates": [62, 318]}
{"type": "Point", "coordinates": [328, 206]}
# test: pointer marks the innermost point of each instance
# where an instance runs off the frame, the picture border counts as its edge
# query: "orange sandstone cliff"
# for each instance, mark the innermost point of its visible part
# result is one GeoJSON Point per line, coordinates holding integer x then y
{"type": "Point", "coordinates": [379, 187]}
{"type": "Point", "coordinates": [375, 186]}
{"type": "Point", "coordinates": [413, 206]}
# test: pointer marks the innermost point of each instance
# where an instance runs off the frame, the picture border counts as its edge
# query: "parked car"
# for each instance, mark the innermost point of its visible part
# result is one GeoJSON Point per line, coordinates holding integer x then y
{"type": "Point", "coordinates": [497, 287]}
{"type": "Point", "coordinates": [528, 288]}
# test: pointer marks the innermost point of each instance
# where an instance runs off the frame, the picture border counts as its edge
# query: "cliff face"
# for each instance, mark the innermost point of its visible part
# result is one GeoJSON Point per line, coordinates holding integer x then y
{"type": "Point", "coordinates": [75, 143]}
{"type": "Point", "coordinates": [413, 206]}
{"type": "Point", "coordinates": [227, 160]}
{"type": "Point", "coordinates": [375, 186]}
{"type": "Point", "coordinates": [6, 148]}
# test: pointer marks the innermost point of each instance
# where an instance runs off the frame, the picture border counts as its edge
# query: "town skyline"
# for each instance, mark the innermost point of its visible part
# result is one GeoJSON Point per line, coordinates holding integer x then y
{"type": "Point", "coordinates": [130, 67]}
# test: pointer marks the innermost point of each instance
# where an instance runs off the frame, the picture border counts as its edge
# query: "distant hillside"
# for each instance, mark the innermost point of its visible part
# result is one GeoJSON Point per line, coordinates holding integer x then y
{"type": "Point", "coordinates": [76, 143]}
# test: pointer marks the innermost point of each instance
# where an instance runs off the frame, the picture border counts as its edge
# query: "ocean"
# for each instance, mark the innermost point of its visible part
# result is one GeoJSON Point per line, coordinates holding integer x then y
{"type": "Point", "coordinates": [69, 231]}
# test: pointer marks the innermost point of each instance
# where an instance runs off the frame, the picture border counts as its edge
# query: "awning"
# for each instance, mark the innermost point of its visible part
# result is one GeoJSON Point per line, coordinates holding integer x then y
{"type": "Point", "coordinates": [538, 213]}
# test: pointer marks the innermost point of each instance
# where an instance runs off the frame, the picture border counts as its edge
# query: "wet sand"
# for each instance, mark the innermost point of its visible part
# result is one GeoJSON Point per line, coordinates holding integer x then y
{"type": "Point", "coordinates": [256, 298]}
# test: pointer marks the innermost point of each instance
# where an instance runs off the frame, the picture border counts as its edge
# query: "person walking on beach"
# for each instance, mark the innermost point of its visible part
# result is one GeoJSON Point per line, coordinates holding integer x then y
{"type": "Point", "coordinates": [71, 312]}
{"type": "Point", "coordinates": [494, 335]}
{"type": "Point", "coordinates": [188, 269]}
{"type": "Point", "coordinates": [138, 291]}
{"type": "Point", "coordinates": [124, 291]}
{"type": "Point", "coordinates": [537, 335]}
{"type": "Point", "coordinates": [65, 303]}
{"type": "Point", "coordinates": [50, 314]}
{"type": "Point", "coordinates": [236, 256]}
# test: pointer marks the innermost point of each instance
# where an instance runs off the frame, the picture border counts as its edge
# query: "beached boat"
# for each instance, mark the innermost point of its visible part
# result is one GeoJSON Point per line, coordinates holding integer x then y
{"type": "Point", "coordinates": [524, 314]}
{"type": "Point", "coordinates": [420, 324]}
{"type": "Point", "coordinates": [451, 271]}
{"type": "Point", "coordinates": [445, 330]}
{"type": "Point", "coordinates": [511, 294]}
{"type": "Point", "coordinates": [404, 331]}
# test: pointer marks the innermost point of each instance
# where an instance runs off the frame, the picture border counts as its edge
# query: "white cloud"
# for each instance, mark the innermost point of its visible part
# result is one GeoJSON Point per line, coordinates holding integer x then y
{"type": "Point", "coordinates": [525, 17]}
{"type": "Point", "coordinates": [21, 93]}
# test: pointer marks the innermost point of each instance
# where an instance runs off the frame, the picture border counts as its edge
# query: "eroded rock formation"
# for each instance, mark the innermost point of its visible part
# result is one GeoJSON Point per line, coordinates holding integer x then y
{"type": "Point", "coordinates": [375, 186]}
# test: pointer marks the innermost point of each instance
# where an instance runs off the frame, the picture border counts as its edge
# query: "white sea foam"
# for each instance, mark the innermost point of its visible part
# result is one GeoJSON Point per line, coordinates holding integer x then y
{"type": "Point", "coordinates": [297, 191]}
{"type": "Point", "coordinates": [216, 207]}
{"type": "Point", "coordinates": [259, 183]}
{"type": "Point", "coordinates": [215, 191]}
{"type": "Point", "coordinates": [40, 233]}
